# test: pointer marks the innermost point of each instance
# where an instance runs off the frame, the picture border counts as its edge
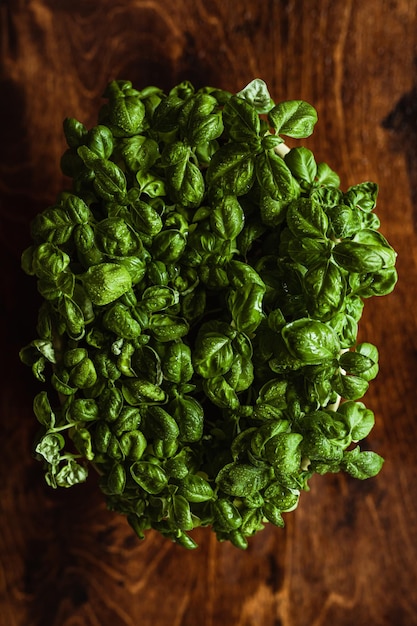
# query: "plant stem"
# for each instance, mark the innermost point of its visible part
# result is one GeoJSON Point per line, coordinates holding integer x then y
{"type": "Point", "coordinates": [282, 149]}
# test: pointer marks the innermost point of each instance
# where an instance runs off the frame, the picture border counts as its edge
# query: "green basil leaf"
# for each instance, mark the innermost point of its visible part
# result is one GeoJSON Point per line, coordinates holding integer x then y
{"type": "Point", "coordinates": [307, 219]}
{"type": "Point", "coordinates": [310, 341]}
{"type": "Point", "coordinates": [220, 392]}
{"type": "Point", "coordinates": [274, 393]}
{"type": "Point", "coordinates": [195, 488]}
{"type": "Point", "coordinates": [310, 251]}
{"type": "Point", "coordinates": [214, 277]}
{"type": "Point", "coordinates": [177, 365]}
{"type": "Point", "coordinates": [118, 319]}
{"type": "Point", "coordinates": [232, 168]}
{"type": "Point", "coordinates": [193, 304]}
{"type": "Point", "coordinates": [76, 209]}
{"type": "Point", "coordinates": [273, 514]}
{"type": "Point", "coordinates": [71, 474]}
{"type": "Point", "coordinates": [227, 218]}
{"type": "Point", "coordinates": [73, 317]}
{"type": "Point", "coordinates": [113, 450]}
{"type": "Point", "coordinates": [168, 327]}
{"type": "Point", "coordinates": [27, 261]}
{"type": "Point", "coordinates": [368, 251]}
{"type": "Point", "coordinates": [241, 480]}
{"type": "Point", "coordinates": [283, 451]}
{"type": "Point", "coordinates": [49, 261]}
{"type": "Point", "coordinates": [275, 177]}
{"type": "Point", "coordinates": [240, 273]}
{"type": "Point", "coordinates": [213, 354]}
{"type": "Point", "coordinates": [369, 351]}
{"type": "Point", "coordinates": [83, 410]}
{"type": "Point", "coordinates": [53, 225]}
{"type": "Point", "coordinates": [87, 251]}
{"type": "Point", "coordinates": [164, 449]}
{"type": "Point", "coordinates": [125, 111]}
{"type": "Point", "coordinates": [226, 515]}
{"type": "Point", "coordinates": [83, 375]}
{"type": "Point", "coordinates": [302, 164]}
{"type": "Point", "coordinates": [158, 298]}
{"type": "Point", "coordinates": [150, 184]}
{"type": "Point", "coordinates": [294, 118]}
{"type": "Point", "coordinates": [109, 181]}
{"type": "Point", "coordinates": [126, 419]}
{"type": "Point", "coordinates": [327, 196]}
{"type": "Point", "coordinates": [149, 476]}
{"type": "Point", "coordinates": [362, 196]}
{"type": "Point", "coordinates": [75, 132]}
{"type": "Point", "coordinates": [106, 282]}
{"type": "Point", "coordinates": [72, 165]}
{"type": "Point", "coordinates": [116, 480]}
{"type": "Point", "coordinates": [60, 382]}
{"type": "Point", "coordinates": [325, 288]}
{"type": "Point", "coordinates": [138, 391]}
{"type": "Point", "coordinates": [185, 540]}
{"type": "Point", "coordinates": [264, 434]}
{"type": "Point", "coordinates": [43, 410]}
{"type": "Point", "coordinates": [49, 447]}
{"type": "Point", "coordinates": [102, 437]}
{"type": "Point", "coordinates": [350, 387]}
{"type": "Point", "coordinates": [256, 94]}
{"type": "Point", "coordinates": [238, 539]}
{"type": "Point", "coordinates": [362, 465]}
{"type": "Point", "coordinates": [241, 374]}
{"type": "Point", "coordinates": [139, 152]}
{"type": "Point", "coordinates": [318, 447]}
{"type": "Point", "coordinates": [169, 245]}
{"type": "Point", "coordinates": [251, 522]}
{"type": "Point", "coordinates": [378, 283]}
{"type": "Point", "coordinates": [326, 176]}
{"type": "Point", "coordinates": [272, 210]}
{"type": "Point", "coordinates": [124, 350]}
{"type": "Point", "coordinates": [181, 513]}
{"type": "Point", "coordinates": [116, 238]}
{"type": "Point", "coordinates": [100, 141]}
{"type": "Point", "coordinates": [358, 419]}
{"type": "Point", "coordinates": [83, 442]}
{"type": "Point", "coordinates": [133, 444]}
{"type": "Point", "coordinates": [198, 121]}
{"type": "Point", "coordinates": [241, 444]}
{"type": "Point", "coordinates": [184, 179]}
{"type": "Point", "coordinates": [178, 466]}
{"type": "Point", "coordinates": [245, 305]}
{"type": "Point", "coordinates": [359, 363]}
{"type": "Point", "coordinates": [146, 218]}
{"type": "Point", "coordinates": [189, 415]}
{"type": "Point", "coordinates": [166, 115]}
{"type": "Point", "coordinates": [146, 362]}
{"type": "Point", "coordinates": [110, 403]}
{"type": "Point", "coordinates": [159, 424]}
{"type": "Point", "coordinates": [282, 497]}
{"type": "Point", "coordinates": [344, 221]}
{"type": "Point", "coordinates": [241, 120]}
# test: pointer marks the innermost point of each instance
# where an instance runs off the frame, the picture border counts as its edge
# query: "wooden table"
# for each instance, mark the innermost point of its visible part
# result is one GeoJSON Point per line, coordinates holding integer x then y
{"type": "Point", "coordinates": [348, 555]}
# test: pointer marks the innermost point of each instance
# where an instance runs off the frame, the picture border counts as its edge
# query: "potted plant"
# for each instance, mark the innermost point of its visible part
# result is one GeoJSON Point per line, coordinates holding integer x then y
{"type": "Point", "coordinates": [201, 290]}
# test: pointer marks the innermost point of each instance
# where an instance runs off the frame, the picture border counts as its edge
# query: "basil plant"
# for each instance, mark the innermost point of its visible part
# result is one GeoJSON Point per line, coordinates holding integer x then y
{"type": "Point", "coordinates": [201, 286]}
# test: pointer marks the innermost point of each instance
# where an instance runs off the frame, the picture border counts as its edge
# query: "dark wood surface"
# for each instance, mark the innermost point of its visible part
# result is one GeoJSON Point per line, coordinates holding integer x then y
{"type": "Point", "coordinates": [348, 555]}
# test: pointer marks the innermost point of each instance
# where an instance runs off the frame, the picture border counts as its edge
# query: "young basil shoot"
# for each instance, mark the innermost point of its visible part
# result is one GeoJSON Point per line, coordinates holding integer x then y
{"type": "Point", "coordinates": [201, 290]}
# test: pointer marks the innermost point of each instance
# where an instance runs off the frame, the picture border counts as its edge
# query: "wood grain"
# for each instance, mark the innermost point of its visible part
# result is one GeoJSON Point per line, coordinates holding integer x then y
{"type": "Point", "coordinates": [348, 554]}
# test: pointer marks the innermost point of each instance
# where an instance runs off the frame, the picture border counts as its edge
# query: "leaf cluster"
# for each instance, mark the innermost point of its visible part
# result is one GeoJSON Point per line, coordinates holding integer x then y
{"type": "Point", "coordinates": [201, 292]}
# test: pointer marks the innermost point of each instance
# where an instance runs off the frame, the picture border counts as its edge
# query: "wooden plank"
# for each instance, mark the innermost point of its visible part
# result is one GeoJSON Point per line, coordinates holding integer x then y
{"type": "Point", "coordinates": [348, 554]}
